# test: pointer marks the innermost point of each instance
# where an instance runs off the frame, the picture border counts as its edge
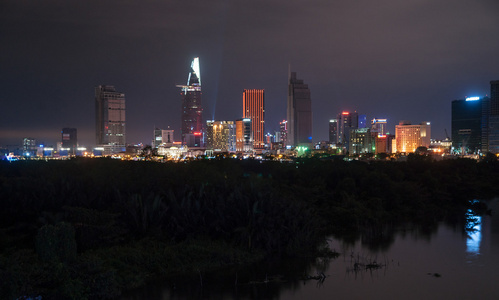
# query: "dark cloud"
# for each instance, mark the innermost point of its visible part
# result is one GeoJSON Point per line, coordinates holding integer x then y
{"type": "Point", "coordinates": [387, 58]}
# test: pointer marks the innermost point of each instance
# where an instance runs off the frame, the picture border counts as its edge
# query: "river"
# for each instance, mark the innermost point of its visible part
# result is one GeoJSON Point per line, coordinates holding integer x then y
{"type": "Point", "coordinates": [441, 263]}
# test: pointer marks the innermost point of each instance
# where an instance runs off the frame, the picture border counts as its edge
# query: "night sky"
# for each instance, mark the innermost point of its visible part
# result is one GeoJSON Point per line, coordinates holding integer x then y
{"type": "Point", "coordinates": [401, 60]}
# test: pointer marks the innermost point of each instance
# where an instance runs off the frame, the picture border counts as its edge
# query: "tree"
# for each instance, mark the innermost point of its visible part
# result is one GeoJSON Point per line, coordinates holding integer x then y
{"type": "Point", "coordinates": [422, 150]}
{"type": "Point", "coordinates": [489, 157]}
{"type": "Point", "coordinates": [149, 152]}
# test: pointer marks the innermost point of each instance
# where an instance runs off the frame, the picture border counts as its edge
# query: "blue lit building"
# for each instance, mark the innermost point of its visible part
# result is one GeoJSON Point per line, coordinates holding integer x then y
{"type": "Point", "coordinates": [362, 121]}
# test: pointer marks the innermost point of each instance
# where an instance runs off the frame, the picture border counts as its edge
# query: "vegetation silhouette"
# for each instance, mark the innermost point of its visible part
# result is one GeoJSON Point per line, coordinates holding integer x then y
{"type": "Point", "coordinates": [90, 228]}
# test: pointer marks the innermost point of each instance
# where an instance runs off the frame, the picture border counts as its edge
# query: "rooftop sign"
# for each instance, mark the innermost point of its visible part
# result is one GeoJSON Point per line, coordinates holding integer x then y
{"type": "Point", "coordinates": [472, 98]}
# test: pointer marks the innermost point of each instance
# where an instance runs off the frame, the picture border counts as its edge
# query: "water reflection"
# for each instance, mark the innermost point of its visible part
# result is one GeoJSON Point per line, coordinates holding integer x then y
{"type": "Point", "coordinates": [474, 229]}
{"type": "Point", "coordinates": [409, 262]}
{"type": "Point", "coordinates": [265, 280]}
{"type": "Point", "coordinates": [380, 238]}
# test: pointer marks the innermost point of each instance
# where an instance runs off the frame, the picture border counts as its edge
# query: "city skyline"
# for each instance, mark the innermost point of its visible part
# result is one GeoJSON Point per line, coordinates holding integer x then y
{"type": "Point", "coordinates": [400, 61]}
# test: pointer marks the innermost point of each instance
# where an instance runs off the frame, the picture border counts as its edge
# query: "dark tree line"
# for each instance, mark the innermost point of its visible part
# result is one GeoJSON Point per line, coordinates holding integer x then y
{"type": "Point", "coordinates": [87, 228]}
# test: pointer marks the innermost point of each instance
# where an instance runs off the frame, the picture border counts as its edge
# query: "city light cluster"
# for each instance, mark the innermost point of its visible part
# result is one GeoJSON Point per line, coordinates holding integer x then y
{"type": "Point", "coordinates": [474, 133]}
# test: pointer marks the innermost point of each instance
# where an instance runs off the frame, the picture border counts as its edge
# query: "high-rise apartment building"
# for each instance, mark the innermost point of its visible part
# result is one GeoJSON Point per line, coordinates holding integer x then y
{"type": "Point", "coordinates": [361, 141]}
{"type": "Point", "coordinates": [378, 126]}
{"type": "Point", "coordinates": [277, 137]}
{"type": "Point", "coordinates": [231, 139]}
{"type": "Point", "coordinates": [220, 136]}
{"type": "Point", "coordinates": [283, 132]}
{"type": "Point", "coordinates": [346, 122]}
{"type": "Point", "coordinates": [409, 137]}
{"type": "Point", "coordinates": [299, 113]}
{"type": "Point", "coordinates": [192, 109]}
{"type": "Point", "coordinates": [333, 131]}
{"type": "Point", "coordinates": [469, 125]}
{"type": "Point", "coordinates": [110, 119]}
{"type": "Point", "coordinates": [244, 136]}
{"type": "Point", "coordinates": [69, 140]}
{"type": "Point", "coordinates": [254, 109]}
{"type": "Point", "coordinates": [382, 143]}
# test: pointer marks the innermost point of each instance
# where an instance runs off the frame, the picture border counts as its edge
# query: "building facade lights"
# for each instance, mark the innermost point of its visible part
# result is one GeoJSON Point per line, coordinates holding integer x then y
{"type": "Point", "coordinates": [254, 109]}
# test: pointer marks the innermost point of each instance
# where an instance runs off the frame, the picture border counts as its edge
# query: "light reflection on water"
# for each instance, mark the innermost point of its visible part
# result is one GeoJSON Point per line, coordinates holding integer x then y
{"type": "Point", "coordinates": [474, 237]}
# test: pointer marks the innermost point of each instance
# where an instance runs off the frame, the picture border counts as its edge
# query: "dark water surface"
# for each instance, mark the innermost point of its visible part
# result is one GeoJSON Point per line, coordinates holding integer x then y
{"type": "Point", "coordinates": [443, 264]}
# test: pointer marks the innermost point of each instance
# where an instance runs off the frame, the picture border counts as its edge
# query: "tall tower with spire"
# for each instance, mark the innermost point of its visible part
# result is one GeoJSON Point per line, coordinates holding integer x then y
{"type": "Point", "coordinates": [192, 109]}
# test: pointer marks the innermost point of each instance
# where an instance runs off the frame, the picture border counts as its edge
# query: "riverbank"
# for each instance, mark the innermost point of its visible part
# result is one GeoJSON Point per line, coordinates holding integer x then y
{"type": "Point", "coordinates": [84, 229]}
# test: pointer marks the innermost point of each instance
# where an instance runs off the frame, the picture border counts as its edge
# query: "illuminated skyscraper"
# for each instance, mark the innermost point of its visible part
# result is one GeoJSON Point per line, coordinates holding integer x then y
{"type": "Point", "coordinates": [244, 136]}
{"type": "Point", "coordinates": [299, 113]}
{"type": "Point", "coordinates": [469, 125]}
{"type": "Point", "coordinates": [333, 131]}
{"type": "Point", "coordinates": [361, 141]}
{"type": "Point", "coordinates": [379, 126]}
{"type": "Point", "coordinates": [283, 129]}
{"type": "Point", "coordinates": [220, 136]}
{"type": "Point", "coordinates": [254, 109]}
{"type": "Point", "coordinates": [231, 139]}
{"type": "Point", "coordinates": [409, 137]}
{"type": "Point", "coordinates": [192, 109]}
{"type": "Point", "coordinates": [110, 119]}
{"type": "Point", "coordinates": [346, 122]}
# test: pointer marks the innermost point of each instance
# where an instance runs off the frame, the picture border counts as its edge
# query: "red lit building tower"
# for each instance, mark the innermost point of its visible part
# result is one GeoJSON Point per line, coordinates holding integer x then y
{"type": "Point", "coordinates": [254, 109]}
